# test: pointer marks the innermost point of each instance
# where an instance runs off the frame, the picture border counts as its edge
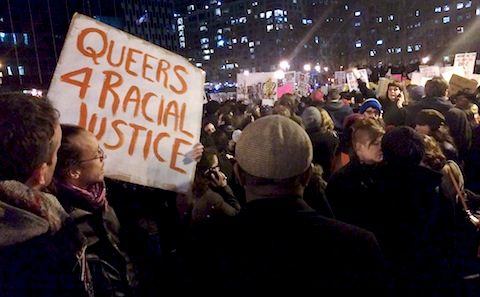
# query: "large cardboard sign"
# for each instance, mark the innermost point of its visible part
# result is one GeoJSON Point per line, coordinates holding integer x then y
{"type": "Point", "coordinates": [458, 83]}
{"type": "Point", "coordinates": [467, 61]}
{"type": "Point", "coordinates": [142, 102]}
{"type": "Point", "coordinates": [355, 74]}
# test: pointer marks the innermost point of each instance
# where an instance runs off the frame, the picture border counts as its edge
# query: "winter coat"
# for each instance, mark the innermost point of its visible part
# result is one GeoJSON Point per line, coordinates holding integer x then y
{"type": "Point", "coordinates": [39, 245]}
{"type": "Point", "coordinates": [280, 245]}
{"type": "Point", "coordinates": [338, 111]}
{"type": "Point", "coordinates": [110, 267]}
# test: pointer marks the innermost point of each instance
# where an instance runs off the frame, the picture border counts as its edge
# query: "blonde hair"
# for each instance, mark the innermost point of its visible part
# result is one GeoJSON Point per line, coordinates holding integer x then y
{"type": "Point", "coordinates": [434, 157]}
{"type": "Point", "coordinates": [327, 122]}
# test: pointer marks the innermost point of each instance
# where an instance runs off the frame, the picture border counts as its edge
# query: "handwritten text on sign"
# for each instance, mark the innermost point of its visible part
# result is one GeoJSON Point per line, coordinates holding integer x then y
{"type": "Point", "coordinates": [143, 103]}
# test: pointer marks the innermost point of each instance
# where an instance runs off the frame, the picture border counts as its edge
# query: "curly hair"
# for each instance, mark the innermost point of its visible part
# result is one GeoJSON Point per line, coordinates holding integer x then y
{"type": "Point", "coordinates": [434, 157]}
{"type": "Point", "coordinates": [27, 126]}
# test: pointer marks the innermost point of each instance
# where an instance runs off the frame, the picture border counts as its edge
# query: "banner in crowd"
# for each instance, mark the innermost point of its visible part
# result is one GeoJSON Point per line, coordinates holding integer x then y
{"type": "Point", "coordinates": [466, 61]}
{"type": "Point", "coordinates": [222, 96]}
{"type": "Point", "coordinates": [142, 102]}
{"type": "Point", "coordinates": [340, 78]}
{"type": "Point", "coordinates": [256, 86]}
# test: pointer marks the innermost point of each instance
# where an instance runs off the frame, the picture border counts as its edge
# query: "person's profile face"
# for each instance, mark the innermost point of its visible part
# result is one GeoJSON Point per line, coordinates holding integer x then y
{"type": "Point", "coordinates": [370, 152]}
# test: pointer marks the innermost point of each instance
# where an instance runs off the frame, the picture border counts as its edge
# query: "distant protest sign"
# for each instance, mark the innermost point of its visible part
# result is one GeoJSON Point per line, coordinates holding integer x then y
{"type": "Point", "coordinates": [142, 102]}
{"type": "Point", "coordinates": [256, 86]}
{"type": "Point", "coordinates": [467, 61]}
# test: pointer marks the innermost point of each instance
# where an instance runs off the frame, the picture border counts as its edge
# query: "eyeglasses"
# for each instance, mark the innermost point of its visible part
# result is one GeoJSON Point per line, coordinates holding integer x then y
{"type": "Point", "coordinates": [100, 155]}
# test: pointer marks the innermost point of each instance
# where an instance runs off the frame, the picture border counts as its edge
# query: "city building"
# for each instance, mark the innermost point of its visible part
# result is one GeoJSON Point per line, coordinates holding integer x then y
{"type": "Point", "coordinates": [32, 32]}
{"type": "Point", "coordinates": [232, 36]}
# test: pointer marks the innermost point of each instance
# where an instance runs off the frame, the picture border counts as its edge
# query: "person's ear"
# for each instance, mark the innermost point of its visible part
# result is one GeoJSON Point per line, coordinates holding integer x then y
{"type": "Point", "coordinates": [38, 178]}
{"type": "Point", "coordinates": [74, 173]}
{"type": "Point", "coordinates": [239, 174]}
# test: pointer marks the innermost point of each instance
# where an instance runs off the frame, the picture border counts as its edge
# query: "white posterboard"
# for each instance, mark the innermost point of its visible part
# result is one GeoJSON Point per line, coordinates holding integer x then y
{"type": "Point", "coordinates": [467, 61]}
{"type": "Point", "coordinates": [256, 86]}
{"type": "Point", "coordinates": [142, 102]}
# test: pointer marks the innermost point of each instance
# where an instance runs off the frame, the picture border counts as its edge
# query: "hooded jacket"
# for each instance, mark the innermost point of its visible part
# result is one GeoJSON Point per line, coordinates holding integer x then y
{"type": "Point", "coordinates": [39, 246]}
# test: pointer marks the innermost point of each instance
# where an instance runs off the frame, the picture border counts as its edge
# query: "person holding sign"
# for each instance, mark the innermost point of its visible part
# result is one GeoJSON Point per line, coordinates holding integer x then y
{"type": "Point", "coordinates": [38, 244]}
{"type": "Point", "coordinates": [80, 188]}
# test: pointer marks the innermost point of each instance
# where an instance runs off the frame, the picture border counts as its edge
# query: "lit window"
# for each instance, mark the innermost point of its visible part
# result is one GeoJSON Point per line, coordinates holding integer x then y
{"type": "Point", "coordinates": [2, 36]}
{"type": "Point", "coordinates": [278, 12]}
{"type": "Point", "coordinates": [379, 19]}
{"type": "Point", "coordinates": [269, 28]}
{"type": "Point", "coordinates": [346, 7]}
{"type": "Point", "coordinates": [262, 15]}
{"type": "Point", "coordinates": [446, 19]}
{"type": "Point", "coordinates": [252, 50]}
{"type": "Point", "coordinates": [418, 47]}
{"type": "Point", "coordinates": [438, 9]}
{"type": "Point", "coordinates": [191, 7]}
{"type": "Point", "coordinates": [25, 38]}
{"type": "Point", "coordinates": [206, 6]}
{"type": "Point", "coordinates": [203, 28]}
{"type": "Point", "coordinates": [398, 50]}
{"type": "Point", "coordinates": [391, 17]}
{"type": "Point", "coordinates": [477, 11]}
{"type": "Point", "coordinates": [397, 28]}
{"type": "Point", "coordinates": [417, 13]}
{"type": "Point", "coordinates": [234, 40]}
{"type": "Point", "coordinates": [242, 20]}
{"type": "Point", "coordinates": [204, 40]}
{"type": "Point", "coordinates": [204, 46]}
{"type": "Point", "coordinates": [219, 31]}
{"type": "Point", "coordinates": [460, 30]}
{"type": "Point", "coordinates": [317, 40]}
{"type": "Point", "coordinates": [446, 59]}
{"type": "Point", "coordinates": [446, 8]}
{"type": "Point", "coordinates": [357, 13]}
{"type": "Point", "coordinates": [468, 4]}
{"type": "Point", "coordinates": [459, 5]}
{"type": "Point", "coordinates": [358, 44]}
{"type": "Point", "coordinates": [268, 14]}
{"type": "Point", "coordinates": [218, 12]}
{"type": "Point", "coordinates": [254, 3]}
{"type": "Point", "coordinates": [21, 70]}
{"type": "Point", "coordinates": [357, 24]}
{"type": "Point", "coordinates": [244, 39]}
{"type": "Point", "coordinates": [9, 70]}
{"type": "Point", "coordinates": [249, 11]}
{"type": "Point", "coordinates": [380, 42]}
{"type": "Point", "coordinates": [409, 49]}
{"type": "Point", "coordinates": [251, 44]}
{"type": "Point", "coordinates": [221, 43]}
{"type": "Point", "coordinates": [198, 64]}
{"type": "Point", "coordinates": [206, 51]}
{"type": "Point", "coordinates": [373, 53]}
{"type": "Point", "coordinates": [206, 57]}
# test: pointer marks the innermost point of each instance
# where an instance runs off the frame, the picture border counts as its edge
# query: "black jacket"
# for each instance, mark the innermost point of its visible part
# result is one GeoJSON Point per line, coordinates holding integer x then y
{"type": "Point", "coordinates": [281, 245]}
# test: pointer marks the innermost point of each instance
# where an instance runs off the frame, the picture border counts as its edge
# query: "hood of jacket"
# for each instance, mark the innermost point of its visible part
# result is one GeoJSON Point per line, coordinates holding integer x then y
{"type": "Point", "coordinates": [26, 213]}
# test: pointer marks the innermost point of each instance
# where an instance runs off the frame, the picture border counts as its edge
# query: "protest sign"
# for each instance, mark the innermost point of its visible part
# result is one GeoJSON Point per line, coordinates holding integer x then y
{"type": "Point", "coordinates": [429, 71]}
{"type": "Point", "coordinates": [256, 86]}
{"type": "Point", "coordinates": [340, 78]}
{"type": "Point", "coordinates": [286, 88]}
{"type": "Point", "coordinates": [458, 83]}
{"type": "Point", "coordinates": [142, 102]}
{"type": "Point", "coordinates": [466, 61]}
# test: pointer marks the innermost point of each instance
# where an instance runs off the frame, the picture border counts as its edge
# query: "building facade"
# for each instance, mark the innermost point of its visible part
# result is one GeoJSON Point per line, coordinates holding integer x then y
{"type": "Point", "coordinates": [228, 37]}
{"type": "Point", "coordinates": [32, 32]}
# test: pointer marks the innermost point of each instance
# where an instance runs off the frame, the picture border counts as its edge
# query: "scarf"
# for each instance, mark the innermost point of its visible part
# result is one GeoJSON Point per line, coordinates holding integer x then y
{"type": "Point", "coordinates": [39, 203]}
{"type": "Point", "coordinates": [95, 195]}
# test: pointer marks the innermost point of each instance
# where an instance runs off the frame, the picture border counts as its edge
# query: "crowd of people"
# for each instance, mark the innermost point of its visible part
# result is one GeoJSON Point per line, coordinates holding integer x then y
{"type": "Point", "coordinates": [315, 195]}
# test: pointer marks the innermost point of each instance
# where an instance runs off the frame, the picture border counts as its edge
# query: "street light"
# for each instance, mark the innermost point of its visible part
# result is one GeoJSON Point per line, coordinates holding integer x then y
{"type": "Point", "coordinates": [307, 67]}
{"type": "Point", "coordinates": [284, 65]}
{"type": "Point", "coordinates": [317, 68]}
{"type": "Point", "coordinates": [425, 60]}
{"type": "Point", "coordinates": [325, 68]}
